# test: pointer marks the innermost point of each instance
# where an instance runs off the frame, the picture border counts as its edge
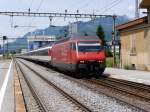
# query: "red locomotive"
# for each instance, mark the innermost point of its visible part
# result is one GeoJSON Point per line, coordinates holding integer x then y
{"type": "Point", "coordinates": [84, 55]}
{"type": "Point", "coordinates": [79, 54]}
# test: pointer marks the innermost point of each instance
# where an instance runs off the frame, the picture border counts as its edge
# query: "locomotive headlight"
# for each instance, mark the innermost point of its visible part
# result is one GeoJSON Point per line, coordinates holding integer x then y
{"type": "Point", "coordinates": [81, 61]}
{"type": "Point", "coordinates": [100, 61]}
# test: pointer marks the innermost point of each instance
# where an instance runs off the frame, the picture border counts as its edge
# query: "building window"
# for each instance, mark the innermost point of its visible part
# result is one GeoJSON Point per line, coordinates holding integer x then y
{"type": "Point", "coordinates": [132, 45]}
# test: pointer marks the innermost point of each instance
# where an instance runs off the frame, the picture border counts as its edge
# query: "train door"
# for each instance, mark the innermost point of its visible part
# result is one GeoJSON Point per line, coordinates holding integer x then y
{"type": "Point", "coordinates": [72, 52]}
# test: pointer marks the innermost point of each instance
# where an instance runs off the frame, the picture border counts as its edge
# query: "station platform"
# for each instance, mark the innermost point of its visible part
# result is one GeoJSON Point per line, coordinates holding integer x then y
{"type": "Point", "coordinates": [6, 86]}
{"type": "Point", "coordinates": [9, 88]}
{"type": "Point", "coordinates": [129, 75]}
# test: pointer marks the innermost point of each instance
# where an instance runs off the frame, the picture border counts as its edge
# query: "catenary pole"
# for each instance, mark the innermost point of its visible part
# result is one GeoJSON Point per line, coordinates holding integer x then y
{"type": "Point", "coordinates": [114, 40]}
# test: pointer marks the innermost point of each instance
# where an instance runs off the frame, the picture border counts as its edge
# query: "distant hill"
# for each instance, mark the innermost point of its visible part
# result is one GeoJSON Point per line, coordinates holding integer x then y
{"type": "Point", "coordinates": [83, 27]}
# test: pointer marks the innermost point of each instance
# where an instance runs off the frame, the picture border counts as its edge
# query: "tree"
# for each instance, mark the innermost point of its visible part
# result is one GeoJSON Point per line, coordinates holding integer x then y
{"type": "Point", "coordinates": [100, 33]}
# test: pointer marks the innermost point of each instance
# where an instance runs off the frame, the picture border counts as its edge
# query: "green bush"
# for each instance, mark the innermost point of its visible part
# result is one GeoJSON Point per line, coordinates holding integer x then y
{"type": "Point", "coordinates": [127, 67]}
{"type": "Point", "coordinates": [108, 53]}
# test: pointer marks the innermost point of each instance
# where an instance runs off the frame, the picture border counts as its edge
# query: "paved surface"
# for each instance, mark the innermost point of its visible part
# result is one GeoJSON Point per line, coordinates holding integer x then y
{"type": "Point", "coordinates": [6, 87]}
{"type": "Point", "coordinates": [131, 75]}
{"type": "Point", "coordinates": [4, 65]}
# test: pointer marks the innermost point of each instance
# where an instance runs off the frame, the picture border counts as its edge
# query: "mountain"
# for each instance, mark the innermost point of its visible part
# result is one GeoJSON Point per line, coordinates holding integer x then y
{"type": "Point", "coordinates": [86, 27]}
{"type": "Point", "coordinates": [83, 28]}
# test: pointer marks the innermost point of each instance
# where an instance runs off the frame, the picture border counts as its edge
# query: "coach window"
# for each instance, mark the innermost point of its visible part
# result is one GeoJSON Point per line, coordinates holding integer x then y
{"type": "Point", "coordinates": [45, 52]}
{"type": "Point", "coordinates": [41, 53]}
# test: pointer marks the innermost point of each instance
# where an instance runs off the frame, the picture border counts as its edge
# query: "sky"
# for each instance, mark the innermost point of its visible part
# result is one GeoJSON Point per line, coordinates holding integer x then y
{"type": "Point", "coordinates": [120, 7]}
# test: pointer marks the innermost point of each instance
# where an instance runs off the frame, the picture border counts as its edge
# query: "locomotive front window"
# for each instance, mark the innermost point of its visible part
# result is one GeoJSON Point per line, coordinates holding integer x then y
{"type": "Point", "coordinates": [89, 47]}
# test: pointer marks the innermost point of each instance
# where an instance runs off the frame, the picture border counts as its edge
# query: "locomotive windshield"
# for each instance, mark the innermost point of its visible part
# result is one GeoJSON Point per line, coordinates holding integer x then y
{"type": "Point", "coordinates": [89, 47]}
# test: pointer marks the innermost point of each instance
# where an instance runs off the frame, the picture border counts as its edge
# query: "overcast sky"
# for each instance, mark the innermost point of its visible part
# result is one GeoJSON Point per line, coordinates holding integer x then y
{"type": "Point", "coordinates": [121, 7]}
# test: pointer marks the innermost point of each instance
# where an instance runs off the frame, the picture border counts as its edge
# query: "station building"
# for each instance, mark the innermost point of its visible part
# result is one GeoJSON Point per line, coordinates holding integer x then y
{"type": "Point", "coordinates": [35, 42]}
{"type": "Point", "coordinates": [135, 41]}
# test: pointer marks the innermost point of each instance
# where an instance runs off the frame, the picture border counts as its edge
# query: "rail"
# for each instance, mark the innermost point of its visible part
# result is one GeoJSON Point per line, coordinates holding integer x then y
{"type": "Point", "coordinates": [35, 95]}
{"type": "Point", "coordinates": [72, 99]}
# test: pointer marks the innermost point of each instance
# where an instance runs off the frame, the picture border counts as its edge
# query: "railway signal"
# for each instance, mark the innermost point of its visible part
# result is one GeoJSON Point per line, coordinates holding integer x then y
{"type": "Point", "coordinates": [4, 38]}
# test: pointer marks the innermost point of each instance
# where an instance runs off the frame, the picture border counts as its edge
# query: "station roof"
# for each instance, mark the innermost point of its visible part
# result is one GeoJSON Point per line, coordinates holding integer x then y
{"type": "Point", "coordinates": [145, 4]}
{"type": "Point", "coordinates": [133, 23]}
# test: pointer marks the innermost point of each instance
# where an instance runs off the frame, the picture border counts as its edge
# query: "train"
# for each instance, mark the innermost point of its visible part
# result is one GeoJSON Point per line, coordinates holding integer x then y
{"type": "Point", "coordinates": [78, 54]}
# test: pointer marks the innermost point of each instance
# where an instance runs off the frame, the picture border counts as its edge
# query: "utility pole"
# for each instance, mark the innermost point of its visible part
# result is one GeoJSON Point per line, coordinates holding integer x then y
{"type": "Point", "coordinates": [7, 47]}
{"type": "Point", "coordinates": [114, 40]}
{"type": "Point", "coordinates": [3, 47]}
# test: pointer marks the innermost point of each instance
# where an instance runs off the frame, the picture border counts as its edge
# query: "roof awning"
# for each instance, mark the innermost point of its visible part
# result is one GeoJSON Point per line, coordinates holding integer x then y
{"type": "Point", "coordinates": [133, 23]}
{"type": "Point", "coordinates": [145, 4]}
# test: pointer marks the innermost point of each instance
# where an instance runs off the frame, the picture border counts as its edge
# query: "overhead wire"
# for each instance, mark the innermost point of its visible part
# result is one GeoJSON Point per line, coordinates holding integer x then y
{"type": "Point", "coordinates": [41, 2]}
{"type": "Point", "coordinates": [31, 4]}
{"type": "Point", "coordinates": [113, 4]}
{"type": "Point", "coordinates": [84, 5]}
{"type": "Point", "coordinates": [32, 19]}
{"type": "Point", "coordinates": [38, 8]}
{"type": "Point", "coordinates": [73, 3]}
{"type": "Point", "coordinates": [109, 4]}
{"type": "Point", "coordinates": [29, 9]}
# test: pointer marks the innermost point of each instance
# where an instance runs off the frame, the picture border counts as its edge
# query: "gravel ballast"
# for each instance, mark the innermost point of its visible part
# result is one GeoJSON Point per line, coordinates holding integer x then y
{"type": "Point", "coordinates": [51, 98]}
{"type": "Point", "coordinates": [94, 100]}
{"type": "Point", "coordinates": [31, 105]}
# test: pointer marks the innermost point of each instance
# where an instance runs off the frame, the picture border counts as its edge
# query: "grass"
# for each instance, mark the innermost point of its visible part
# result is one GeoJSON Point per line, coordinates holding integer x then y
{"type": "Point", "coordinates": [109, 61]}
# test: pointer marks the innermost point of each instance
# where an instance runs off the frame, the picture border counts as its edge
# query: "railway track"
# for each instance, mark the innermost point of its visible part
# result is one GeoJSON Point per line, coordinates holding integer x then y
{"type": "Point", "coordinates": [69, 97]}
{"type": "Point", "coordinates": [125, 87]}
{"type": "Point", "coordinates": [39, 101]}
{"type": "Point", "coordinates": [139, 91]}
{"type": "Point", "coordinates": [133, 88]}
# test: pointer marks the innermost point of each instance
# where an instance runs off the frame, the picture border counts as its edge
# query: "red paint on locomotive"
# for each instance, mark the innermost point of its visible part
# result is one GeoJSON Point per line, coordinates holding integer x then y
{"type": "Point", "coordinates": [77, 53]}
